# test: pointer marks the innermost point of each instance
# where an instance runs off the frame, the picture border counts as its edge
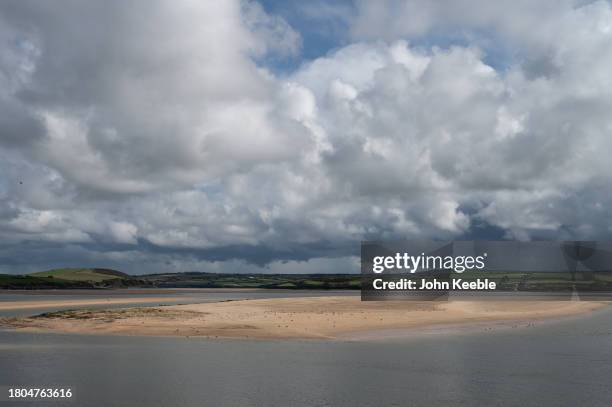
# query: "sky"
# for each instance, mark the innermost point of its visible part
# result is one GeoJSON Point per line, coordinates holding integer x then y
{"type": "Point", "coordinates": [274, 136]}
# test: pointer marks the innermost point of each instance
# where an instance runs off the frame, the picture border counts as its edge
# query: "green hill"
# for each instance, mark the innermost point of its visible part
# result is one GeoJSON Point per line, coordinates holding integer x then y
{"type": "Point", "coordinates": [75, 274]}
{"type": "Point", "coordinates": [17, 282]}
{"type": "Point", "coordinates": [96, 278]}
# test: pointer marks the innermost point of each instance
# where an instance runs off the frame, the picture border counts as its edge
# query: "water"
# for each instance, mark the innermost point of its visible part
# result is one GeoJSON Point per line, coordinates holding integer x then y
{"type": "Point", "coordinates": [561, 363]}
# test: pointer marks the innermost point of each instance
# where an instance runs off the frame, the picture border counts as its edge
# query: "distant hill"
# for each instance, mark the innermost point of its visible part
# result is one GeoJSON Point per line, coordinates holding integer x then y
{"type": "Point", "coordinates": [233, 280]}
{"type": "Point", "coordinates": [95, 275]}
{"type": "Point", "coordinates": [17, 282]}
{"type": "Point", "coordinates": [106, 278]}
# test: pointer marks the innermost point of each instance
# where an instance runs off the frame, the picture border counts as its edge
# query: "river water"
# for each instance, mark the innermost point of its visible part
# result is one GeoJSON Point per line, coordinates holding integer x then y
{"type": "Point", "coordinates": [560, 363]}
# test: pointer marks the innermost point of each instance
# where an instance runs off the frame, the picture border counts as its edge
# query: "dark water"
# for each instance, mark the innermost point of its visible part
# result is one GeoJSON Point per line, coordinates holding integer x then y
{"type": "Point", "coordinates": [564, 363]}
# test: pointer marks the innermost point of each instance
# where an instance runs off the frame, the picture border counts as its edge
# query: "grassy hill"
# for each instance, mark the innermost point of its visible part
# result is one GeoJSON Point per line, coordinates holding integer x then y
{"type": "Point", "coordinates": [17, 282]}
{"type": "Point", "coordinates": [105, 278]}
{"type": "Point", "coordinates": [94, 275]}
{"type": "Point", "coordinates": [98, 278]}
{"type": "Point", "coordinates": [230, 280]}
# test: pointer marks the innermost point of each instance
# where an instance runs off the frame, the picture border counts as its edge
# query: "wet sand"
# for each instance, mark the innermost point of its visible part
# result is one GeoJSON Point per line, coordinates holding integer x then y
{"type": "Point", "coordinates": [129, 291]}
{"type": "Point", "coordinates": [19, 305]}
{"type": "Point", "coordinates": [295, 318]}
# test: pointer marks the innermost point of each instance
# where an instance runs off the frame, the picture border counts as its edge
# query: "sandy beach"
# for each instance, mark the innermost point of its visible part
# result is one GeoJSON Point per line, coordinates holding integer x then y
{"type": "Point", "coordinates": [294, 318]}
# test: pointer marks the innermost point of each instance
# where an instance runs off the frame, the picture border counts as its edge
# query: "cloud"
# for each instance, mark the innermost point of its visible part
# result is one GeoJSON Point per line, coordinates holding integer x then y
{"type": "Point", "coordinates": [152, 101]}
{"type": "Point", "coordinates": [153, 136]}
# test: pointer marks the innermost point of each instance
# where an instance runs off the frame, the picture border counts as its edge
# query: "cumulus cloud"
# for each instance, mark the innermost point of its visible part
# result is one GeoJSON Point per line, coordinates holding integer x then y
{"type": "Point", "coordinates": [153, 136]}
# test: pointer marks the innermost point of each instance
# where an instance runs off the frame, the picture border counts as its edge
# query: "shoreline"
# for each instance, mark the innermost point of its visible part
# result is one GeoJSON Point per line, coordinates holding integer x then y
{"type": "Point", "coordinates": [129, 291]}
{"type": "Point", "coordinates": [318, 318]}
{"type": "Point", "coordinates": [23, 305]}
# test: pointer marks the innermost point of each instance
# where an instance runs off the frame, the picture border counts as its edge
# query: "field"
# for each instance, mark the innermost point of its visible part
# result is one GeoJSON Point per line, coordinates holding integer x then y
{"type": "Point", "coordinates": [8, 281]}
{"type": "Point", "coordinates": [286, 281]}
{"type": "Point", "coordinates": [106, 278]}
{"type": "Point", "coordinates": [76, 274]}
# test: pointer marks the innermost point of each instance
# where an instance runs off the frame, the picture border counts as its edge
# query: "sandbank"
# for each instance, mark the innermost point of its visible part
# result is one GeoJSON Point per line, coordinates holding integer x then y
{"type": "Point", "coordinates": [295, 318]}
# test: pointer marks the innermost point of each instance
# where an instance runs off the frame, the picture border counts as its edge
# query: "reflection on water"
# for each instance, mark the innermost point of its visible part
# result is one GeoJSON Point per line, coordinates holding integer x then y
{"type": "Point", "coordinates": [565, 363]}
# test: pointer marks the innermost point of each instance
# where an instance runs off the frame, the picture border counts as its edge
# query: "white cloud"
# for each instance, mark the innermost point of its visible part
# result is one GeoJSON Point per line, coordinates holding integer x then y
{"type": "Point", "coordinates": [164, 141]}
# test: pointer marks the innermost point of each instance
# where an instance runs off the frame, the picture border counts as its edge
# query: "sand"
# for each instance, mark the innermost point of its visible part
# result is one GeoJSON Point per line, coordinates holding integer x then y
{"type": "Point", "coordinates": [295, 318]}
